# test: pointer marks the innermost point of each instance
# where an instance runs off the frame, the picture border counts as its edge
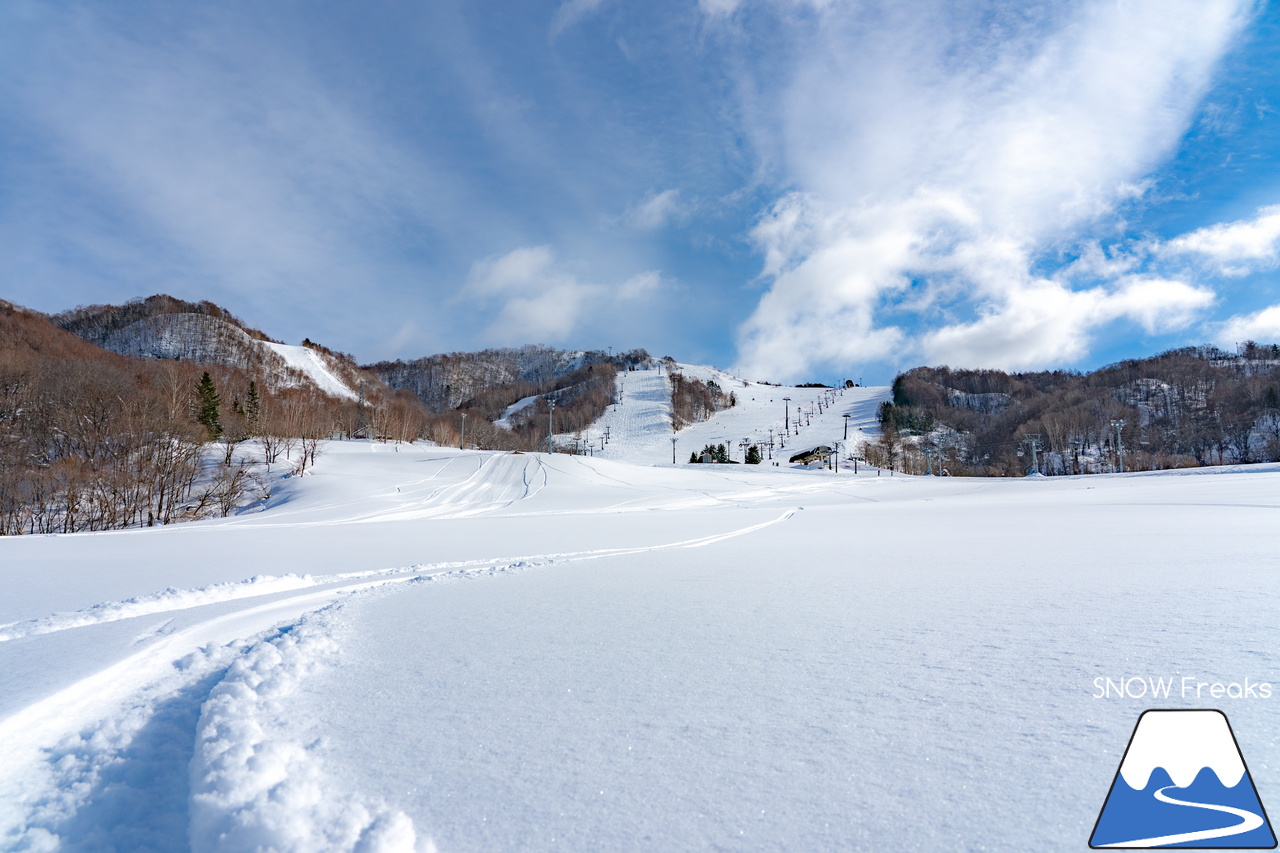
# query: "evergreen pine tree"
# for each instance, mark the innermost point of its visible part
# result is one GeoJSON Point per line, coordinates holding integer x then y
{"type": "Point", "coordinates": [252, 405]}
{"type": "Point", "coordinates": [693, 459]}
{"type": "Point", "coordinates": [753, 455]}
{"type": "Point", "coordinates": [207, 403]}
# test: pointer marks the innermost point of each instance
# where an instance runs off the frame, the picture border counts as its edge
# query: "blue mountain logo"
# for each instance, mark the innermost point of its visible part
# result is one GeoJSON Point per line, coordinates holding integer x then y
{"type": "Point", "coordinates": [1183, 783]}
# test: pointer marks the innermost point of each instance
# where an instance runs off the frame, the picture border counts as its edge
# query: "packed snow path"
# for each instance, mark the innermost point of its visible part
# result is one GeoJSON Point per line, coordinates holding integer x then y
{"type": "Point", "coordinates": [521, 652]}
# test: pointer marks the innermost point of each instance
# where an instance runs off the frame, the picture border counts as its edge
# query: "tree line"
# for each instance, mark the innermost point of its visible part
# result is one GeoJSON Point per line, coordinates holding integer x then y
{"type": "Point", "coordinates": [1186, 407]}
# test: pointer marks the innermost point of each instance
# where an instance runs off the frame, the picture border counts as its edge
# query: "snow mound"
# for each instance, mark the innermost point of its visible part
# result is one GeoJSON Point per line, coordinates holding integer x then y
{"type": "Point", "coordinates": [312, 365]}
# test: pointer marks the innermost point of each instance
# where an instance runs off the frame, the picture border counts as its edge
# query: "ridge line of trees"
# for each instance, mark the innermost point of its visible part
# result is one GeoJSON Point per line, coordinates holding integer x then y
{"type": "Point", "coordinates": [1187, 407]}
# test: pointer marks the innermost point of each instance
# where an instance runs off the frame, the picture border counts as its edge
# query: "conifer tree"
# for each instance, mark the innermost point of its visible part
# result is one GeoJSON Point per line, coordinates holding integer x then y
{"type": "Point", "coordinates": [207, 403]}
{"type": "Point", "coordinates": [753, 455]}
{"type": "Point", "coordinates": [252, 406]}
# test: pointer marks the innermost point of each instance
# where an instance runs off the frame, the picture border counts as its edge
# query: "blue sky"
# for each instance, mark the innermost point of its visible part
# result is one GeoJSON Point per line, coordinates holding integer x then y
{"type": "Point", "coordinates": [805, 189]}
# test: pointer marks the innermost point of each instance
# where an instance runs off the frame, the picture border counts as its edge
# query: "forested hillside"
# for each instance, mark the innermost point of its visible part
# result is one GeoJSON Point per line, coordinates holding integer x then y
{"type": "Point", "coordinates": [463, 379]}
{"type": "Point", "coordinates": [484, 384]}
{"type": "Point", "coordinates": [1182, 408]}
{"type": "Point", "coordinates": [162, 327]}
{"type": "Point", "coordinates": [93, 440]}
{"type": "Point", "coordinates": [161, 410]}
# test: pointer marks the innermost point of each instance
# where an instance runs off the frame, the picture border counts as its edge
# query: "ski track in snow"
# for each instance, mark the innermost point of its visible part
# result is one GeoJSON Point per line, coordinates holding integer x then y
{"type": "Point", "coordinates": [160, 602]}
{"type": "Point", "coordinates": [91, 744]}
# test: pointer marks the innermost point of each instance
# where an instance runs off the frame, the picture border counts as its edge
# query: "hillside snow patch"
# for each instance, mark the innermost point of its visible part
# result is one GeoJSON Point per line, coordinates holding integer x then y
{"type": "Point", "coordinates": [312, 365]}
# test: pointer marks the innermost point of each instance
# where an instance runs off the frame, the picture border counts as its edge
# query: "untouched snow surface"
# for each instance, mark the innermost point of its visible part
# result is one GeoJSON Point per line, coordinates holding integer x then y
{"type": "Point", "coordinates": [418, 648]}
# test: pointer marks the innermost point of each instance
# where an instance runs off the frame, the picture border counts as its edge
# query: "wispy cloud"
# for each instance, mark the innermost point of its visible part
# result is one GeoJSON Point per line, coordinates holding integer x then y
{"type": "Point", "coordinates": [571, 12]}
{"type": "Point", "coordinates": [537, 298]}
{"type": "Point", "coordinates": [236, 166]}
{"type": "Point", "coordinates": [657, 210]}
{"type": "Point", "coordinates": [940, 151]}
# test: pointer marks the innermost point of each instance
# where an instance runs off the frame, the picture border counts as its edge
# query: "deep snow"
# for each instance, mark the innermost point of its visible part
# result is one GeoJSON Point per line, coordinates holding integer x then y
{"type": "Point", "coordinates": [487, 651]}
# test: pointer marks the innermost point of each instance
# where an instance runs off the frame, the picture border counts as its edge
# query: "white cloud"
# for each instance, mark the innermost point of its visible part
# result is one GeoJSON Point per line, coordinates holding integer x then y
{"type": "Point", "coordinates": [571, 12]}
{"type": "Point", "coordinates": [1235, 248]}
{"type": "Point", "coordinates": [1260, 327]}
{"type": "Point", "coordinates": [539, 299]}
{"type": "Point", "coordinates": [1159, 305]}
{"type": "Point", "coordinates": [1043, 322]}
{"type": "Point", "coordinates": [657, 210]}
{"type": "Point", "coordinates": [941, 149]}
{"type": "Point", "coordinates": [641, 286]}
{"type": "Point", "coordinates": [719, 8]}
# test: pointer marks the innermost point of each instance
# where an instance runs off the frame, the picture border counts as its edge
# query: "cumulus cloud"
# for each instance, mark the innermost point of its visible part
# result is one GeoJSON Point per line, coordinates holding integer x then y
{"type": "Point", "coordinates": [941, 151]}
{"type": "Point", "coordinates": [1262, 326]}
{"type": "Point", "coordinates": [1044, 322]}
{"type": "Point", "coordinates": [1234, 248]}
{"type": "Point", "coordinates": [540, 299]}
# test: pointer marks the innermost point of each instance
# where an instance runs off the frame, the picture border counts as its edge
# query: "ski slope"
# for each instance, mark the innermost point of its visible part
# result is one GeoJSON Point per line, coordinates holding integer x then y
{"type": "Point", "coordinates": [421, 648]}
{"type": "Point", "coordinates": [640, 432]}
{"type": "Point", "coordinates": [312, 365]}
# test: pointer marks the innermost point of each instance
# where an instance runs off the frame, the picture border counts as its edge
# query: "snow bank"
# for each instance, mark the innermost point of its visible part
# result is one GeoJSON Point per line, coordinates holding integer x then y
{"type": "Point", "coordinates": [255, 788]}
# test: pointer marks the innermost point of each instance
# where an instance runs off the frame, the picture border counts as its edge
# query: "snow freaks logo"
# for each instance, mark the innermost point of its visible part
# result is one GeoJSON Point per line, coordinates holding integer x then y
{"type": "Point", "coordinates": [1183, 783]}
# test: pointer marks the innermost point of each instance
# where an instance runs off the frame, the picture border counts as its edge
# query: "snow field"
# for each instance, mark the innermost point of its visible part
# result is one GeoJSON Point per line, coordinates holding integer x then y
{"type": "Point", "coordinates": [835, 683]}
{"type": "Point", "coordinates": [496, 651]}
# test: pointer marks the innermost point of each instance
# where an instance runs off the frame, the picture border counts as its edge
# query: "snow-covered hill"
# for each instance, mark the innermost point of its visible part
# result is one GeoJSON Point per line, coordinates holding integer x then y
{"type": "Point", "coordinates": [640, 432]}
{"type": "Point", "coordinates": [530, 652]}
{"type": "Point", "coordinates": [162, 327]}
